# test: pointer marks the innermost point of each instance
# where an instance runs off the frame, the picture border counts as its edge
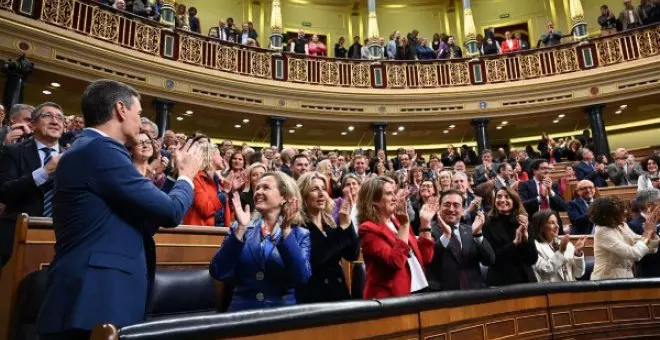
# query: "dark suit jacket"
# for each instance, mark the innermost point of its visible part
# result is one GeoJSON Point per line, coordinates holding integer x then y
{"type": "Point", "coordinates": [480, 173]}
{"type": "Point", "coordinates": [443, 272]}
{"type": "Point", "coordinates": [105, 214]}
{"type": "Point", "coordinates": [18, 191]}
{"type": "Point", "coordinates": [584, 171]}
{"type": "Point", "coordinates": [529, 196]}
{"type": "Point", "coordinates": [327, 283]}
{"type": "Point", "coordinates": [578, 213]}
{"type": "Point", "coordinates": [649, 265]}
{"type": "Point", "coordinates": [513, 264]}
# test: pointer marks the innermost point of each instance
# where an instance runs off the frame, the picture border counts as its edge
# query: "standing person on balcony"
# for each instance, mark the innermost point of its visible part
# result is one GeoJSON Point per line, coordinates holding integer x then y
{"type": "Point", "coordinates": [551, 36]}
{"type": "Point", "coordinates": [355, 51]}
{"type": "Point", "coordinates": [413, 42]}
{"type": "Point", "coordinates": [393, 256]}
{"type": "Point", "coordinates": [452, 51]}
{"type": "Point", "coordinates": [340, 50]}
{"type": "Point", "coordinates": [629, 17]}
{"type": "Point", "coordinates": [181, 18]}
{"type": "Point", "coordinates": [607, 21]}
{"type": "Point", "coordinates": [424, 52]}
{"type": "Point", "coordinates": [231, 31]}
{"type": "Point", "coordinates": [366, 52]}
{"type": "Point", "coordinates": [317, 47]}
{"type": "Point", "coordinates": [510, 45]}
{"type": "Point", "coordinates": [524, 44]}
{"type": "Point", "coordinates": [300, 45]}
{"type": "Point", "coordinates": [105, 214]}
{"type": "Point", "coordinates": [402, 51]}
{"type": "Point", "coordinates": [393, 45]}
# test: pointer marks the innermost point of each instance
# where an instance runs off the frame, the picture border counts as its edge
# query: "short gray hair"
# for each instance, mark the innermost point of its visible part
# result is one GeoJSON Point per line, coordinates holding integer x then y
{"type": "Point", "coordinates": [645, 197]}
{"type": "Point", "coordinates": [145, 120]}
{"type": "Point", "coordinates": [17, 108]}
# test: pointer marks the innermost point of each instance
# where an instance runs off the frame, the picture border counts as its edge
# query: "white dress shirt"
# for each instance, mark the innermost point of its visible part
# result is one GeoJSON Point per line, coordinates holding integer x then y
{"type": "Point", "coordinates": [417, 276]}
{"type": "Point", "coordinates": [40, 176]}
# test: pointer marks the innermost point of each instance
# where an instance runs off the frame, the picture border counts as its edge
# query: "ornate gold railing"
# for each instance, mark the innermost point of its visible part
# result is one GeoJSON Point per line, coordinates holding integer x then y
{"type": "Point", "coordinates": [127, 30]}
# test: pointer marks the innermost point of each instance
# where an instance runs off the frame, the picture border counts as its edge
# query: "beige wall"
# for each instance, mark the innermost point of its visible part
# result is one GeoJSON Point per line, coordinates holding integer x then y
{"type": "Point", "coordinates": [637, 138]}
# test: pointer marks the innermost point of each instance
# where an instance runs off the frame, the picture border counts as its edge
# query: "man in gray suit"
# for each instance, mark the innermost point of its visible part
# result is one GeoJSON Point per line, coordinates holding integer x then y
{"type": "Point", "coordinates": [504, 176]}
{"type": "Point", "coordinates": [624, 170]}
{"type": "Point", "coordinates": [487, 169]}
{"type": "Point", "coordinates": [551, 36]}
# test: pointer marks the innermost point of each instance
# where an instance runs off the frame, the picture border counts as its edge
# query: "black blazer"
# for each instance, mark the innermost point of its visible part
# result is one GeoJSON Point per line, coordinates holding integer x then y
{"type": "Point", "coordinates": [513, 264]}
{"type": "Point", "coordinates": [649, 265]}
{"type": "Point", "coordinates": [529, 192]}
{"type": "Point", "coordinates": [443, 272]}
{"type": "Point", "coordinates": [327, 283]}
{"type": "Point", "coordinates": [18, 190]}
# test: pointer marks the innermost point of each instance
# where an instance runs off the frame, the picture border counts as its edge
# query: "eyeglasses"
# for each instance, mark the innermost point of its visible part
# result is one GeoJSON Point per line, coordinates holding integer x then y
{"type": "Point", "coordinates": [51, 116]}
{"type": "Point", "coordinates": [587, 188]}
{"type": "Point", "coordinates": [144, 142]}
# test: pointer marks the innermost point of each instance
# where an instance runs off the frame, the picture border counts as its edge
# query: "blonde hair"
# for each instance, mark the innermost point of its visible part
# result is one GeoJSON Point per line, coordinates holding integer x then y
{"type": "Point", "coordinates": [207, 149]}
{"type": "Point", "coordinates": [371, 192]}
{"type": "Point", "coordinates": [249, 174]}
{"type": "Point", "coordinates": [306, 185]}
{"type": "Point", "coordinates": [442, 173]}
{"type": "Point", "coordinates": [323, 167]}
{"type": "Point", "coordinates": [288, 189]}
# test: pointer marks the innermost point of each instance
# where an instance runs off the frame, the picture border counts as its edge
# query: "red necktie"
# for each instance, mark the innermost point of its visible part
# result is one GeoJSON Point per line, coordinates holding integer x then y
{"type": "Point", "coordinates": [544, 200]}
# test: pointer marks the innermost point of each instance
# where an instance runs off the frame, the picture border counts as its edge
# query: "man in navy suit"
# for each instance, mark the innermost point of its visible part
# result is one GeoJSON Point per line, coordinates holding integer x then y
{"type": "Point", "coordinates": [586, 169]}
{"type": "Point", "coordinates": [26, 173]}
{"type": "Point", "coordinates": [539, 193]}
{"type": "Point", "coordinates": [647, 201]}
{"type": "Point", "coordinates": [104, 215]}
{"type": "Point", "coordinates": [578, 209]}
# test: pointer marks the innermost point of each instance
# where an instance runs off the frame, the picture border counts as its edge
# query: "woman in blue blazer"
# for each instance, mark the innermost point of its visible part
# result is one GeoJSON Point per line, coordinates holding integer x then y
{"type": "Point", "coordinates": [265, 256]}
{"type": "Point", "coordinates": [331, 241]}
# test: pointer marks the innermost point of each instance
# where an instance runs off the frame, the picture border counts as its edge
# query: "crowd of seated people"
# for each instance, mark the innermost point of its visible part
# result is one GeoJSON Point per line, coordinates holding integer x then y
{"type": "Point", "coordinates": [419, 225]}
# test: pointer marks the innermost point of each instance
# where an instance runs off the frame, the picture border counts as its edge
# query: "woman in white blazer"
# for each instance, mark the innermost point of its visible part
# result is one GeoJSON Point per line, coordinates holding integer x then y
{"type": "Point", "coordinates": [616, 246]}
{"type": "Point", "coordinates": [558, 259]}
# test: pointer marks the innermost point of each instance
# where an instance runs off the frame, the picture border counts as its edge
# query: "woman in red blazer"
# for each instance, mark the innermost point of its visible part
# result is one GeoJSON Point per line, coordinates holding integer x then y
{"type": "Point", "coordinates": [206, 201]}
{"type": "Point", "coordinates": [393, 256]}
{"type": "Point", "coordinates": [510, 45]}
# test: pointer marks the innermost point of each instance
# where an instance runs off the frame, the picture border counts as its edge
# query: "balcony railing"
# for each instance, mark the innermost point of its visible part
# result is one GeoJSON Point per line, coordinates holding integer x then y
{"type": "Point", "coordinates": [129, 31]}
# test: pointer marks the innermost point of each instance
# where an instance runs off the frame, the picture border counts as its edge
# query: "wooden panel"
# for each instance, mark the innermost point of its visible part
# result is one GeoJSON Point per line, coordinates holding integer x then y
{"type": "Point", "coordinates": [501, 329]}
{"type": "Point", "coordinates": [561, 319]}
{"type": "Point", "coordinates": [626, 193]}
{"type": "Point", "coordinates": [469, 333]}
{"type": "Point", "coordinates": [533, 323]}
{"type": "Point", "coordinates": [396, 327]}
{"type": "Point", "coordinates": [568, 299]}
{"type": "Point", "coordinates": [590, 316]}
{"type": "Point", "coordinates": [631, 312]}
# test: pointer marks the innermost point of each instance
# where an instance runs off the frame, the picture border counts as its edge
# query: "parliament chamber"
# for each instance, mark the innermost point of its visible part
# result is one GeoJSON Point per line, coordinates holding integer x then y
{"type": "Point", "coordinates": [271, 89]}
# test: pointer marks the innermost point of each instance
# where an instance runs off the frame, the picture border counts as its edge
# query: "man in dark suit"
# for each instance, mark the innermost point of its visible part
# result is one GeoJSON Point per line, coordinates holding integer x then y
{"type": "Point", "coordinates": [647, 201]}
{"type": "Point", "coordinates": [105, 215]}
{"type": "Point", "coordinates": [471, 202]}
{"type": "Point", "coordinates": [624, 170]}
{"type": "Point", "coordinates": [504, 176]}
{"type": "Point", "coordinates": [450, 156]}
{"type": "Point", "coordinates": [578, 209]}
{"type": "Point", "coordinates": [586, 169]}
{"type": "Point", "coordinates": [539, 193]}
{"type": "Point", "coordinates": [26, 173]}
{"type": "Point", "coordinates": [486, 170]}
{"type": "Point", "coordinates": [459, 249]}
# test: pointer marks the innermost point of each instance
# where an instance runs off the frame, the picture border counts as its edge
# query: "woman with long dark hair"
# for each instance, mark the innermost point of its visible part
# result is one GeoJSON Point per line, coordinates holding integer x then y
{"type": "Point", "coordinates": [558, 259]}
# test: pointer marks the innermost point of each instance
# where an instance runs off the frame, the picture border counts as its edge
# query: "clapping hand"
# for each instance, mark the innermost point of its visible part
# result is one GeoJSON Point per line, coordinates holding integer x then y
{"type": "Point", "coordinates": [402, 207]}
{"type": "Point", "coordinates": [427, 213]}
{"type": "Point", "coordinates": [289, 212]}
{"type": "Point", "coordinates": [345, 211]}
{"type": "Point", "coordinates": [238, 180]}
{"type": "Point", "coordinates": [189, 159]}
{"type": "Point", "coordinates": [563, 244]}
{"type": "Point", "coordinates": [478, 223]}
{"type": "Point", "coordinates": [651, 223]}
{"type": "Point", "coordinates": [579, 245]}
{"type": "Point", "coordinates": [475, 204]}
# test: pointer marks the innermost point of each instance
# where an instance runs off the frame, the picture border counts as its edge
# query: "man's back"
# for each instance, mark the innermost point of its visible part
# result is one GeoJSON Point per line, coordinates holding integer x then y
{"type": "Point", "coordinates": [105, 213]}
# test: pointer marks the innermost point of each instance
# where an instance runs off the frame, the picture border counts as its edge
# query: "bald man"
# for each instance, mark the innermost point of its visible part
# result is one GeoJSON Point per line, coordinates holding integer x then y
{"type": "Point", "coordinates": [578, 209]}
{"type": "Point", "coordinates": [624, 170]}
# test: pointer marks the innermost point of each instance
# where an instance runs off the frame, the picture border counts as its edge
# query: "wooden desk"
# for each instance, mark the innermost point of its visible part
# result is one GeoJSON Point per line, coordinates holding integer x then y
{"type": "Point", "coordinates": [176, 248]}
{"type": "Point", "coordinates": [626, 193]}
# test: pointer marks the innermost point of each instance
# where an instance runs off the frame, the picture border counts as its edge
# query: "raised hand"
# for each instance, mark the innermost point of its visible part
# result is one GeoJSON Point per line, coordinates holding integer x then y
{"type": "Point", "coordinates": [475, 204]}
{"type": "Point", "coordinates": [52, 164]}
{"type": "Point", "coordinates": [518, 239]}
{"type": "Point", "coordinates": [426, 214]}
{"type": "Point", "coordinates": [478, 223]}
{"type": "Point", "coordinates": [345, 211]}
{"type": "Point", "coordinates": [289, 212]}
{"type": "Point", "coordinates": [446, 228]}
{"type": "Point", "coordinates": [579, 245]}
{"type": "Point", "coordinates": [651, 223]}
{"type": "Point", "coordinates": [242, 214]}
{"type": "Point", "coordinates": [564, 243]}
{"type": "Point", "coordinates": [402, 209]}
{"type": "Point", "coordinates": [189, 159]}
{"type": "Point", "coordinates": [523, 220]}
{"type": "Point", "coordinates": [238, 180]}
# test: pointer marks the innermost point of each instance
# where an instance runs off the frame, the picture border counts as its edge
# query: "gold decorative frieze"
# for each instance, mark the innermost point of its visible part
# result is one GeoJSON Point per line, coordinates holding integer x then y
{"type": "Point", "coordinates": [260, 64]}
{"type": "Point", "coordinates": [649, 42]}
{"type": "Point", "coordinates": [329, 73]}
{"type": "Point", "coordinates": [58, 12]}
{"type": "Point", "coordinates": [360, 74]}
{"type": "Point", "coordinates": [609, 51]}
{"type": "Point", "coordinates": [396, 75]}
{"type": "Point", "coordinates": [298, 70]}
{"type": "Point", "coordinates": [227, 58]}
{"type": "Point", "coordinates": [460, 75]}
{"type": "Point", "coordinates": [6, 4]}
{"type": "Point", "coordinates": [530, 65]}
{"type": "Point", "coordinates": [190, 49]}
{"type": "Point", "coordinates": [496, 70]}
{"type": "Point", "coordinates": [566, 60]}
{"type": "Point", "coordinates": [147, 38]}
{"type": "Point", "coordinates": [428, 74]}
{"type": "Point", "coordinates": [105, 25]}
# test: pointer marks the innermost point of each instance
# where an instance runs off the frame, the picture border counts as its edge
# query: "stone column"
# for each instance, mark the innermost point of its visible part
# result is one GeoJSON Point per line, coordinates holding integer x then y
{"type": "Point", "coordinates": [598, 133]}
{"type": "Point", "coordinates": [481, 129]}
{"type": "Point", "coordinates": [372, 32]}
{"type": "Point", "coordinates": [471, 46]}
{"type": "Point", "coordinates": [276, 26]}
{"type": "Point", "coordinates": [577, 17]}
{"type": "Point", "coordinates": [380, 136]}
{"type": "Point", "coordinates": [276, 132]}
{"type": "Point", "coordinates": [17, 72]}
{"type": "Point", "coordinates": [163, 112]}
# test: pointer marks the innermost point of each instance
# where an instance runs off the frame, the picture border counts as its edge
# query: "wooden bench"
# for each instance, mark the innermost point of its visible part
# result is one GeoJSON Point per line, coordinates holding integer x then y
{"type": "Point", "coordinates": [626, 193]}
{"type": "Point", "coordinates": [184, 247]}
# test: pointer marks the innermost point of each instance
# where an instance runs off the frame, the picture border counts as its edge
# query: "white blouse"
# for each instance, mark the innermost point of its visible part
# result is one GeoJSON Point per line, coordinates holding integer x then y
{"type": "Point", "coordinates": [418, 279]}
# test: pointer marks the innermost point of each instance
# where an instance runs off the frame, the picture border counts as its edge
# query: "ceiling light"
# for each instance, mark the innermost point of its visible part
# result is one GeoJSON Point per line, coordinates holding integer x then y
{"type": "Point", "coordinates": [452, 126]}
{"type": "Point", "coordinates": [623, 106]}
{"type": "Point", "coordinates": [445, 131]}
{"type": "Point", "coordinates": [245, 121]}
{"type": "Point", "coordinates": [504, 122]}
{"type": "Point", "coordinates": [351, 128]}
{"type": "Point", "coordinates": [238, 126]}
{"type": "Point", "coordinates": [179, 118]}
{"type": "Point", "coordinates": [401, 128]}
{"type": "Point", "coordinates": [344, 133]}
{"type": "Point", "coordinates": [46, 92]}
{"type": "Point", "coordinates": [292, 131]}
{"type": "Point", "coordinates": [618, 112]}
{"type": "Point", "coordinates": [556, 121]}
{"type": "Point", "coordinates": [499, 128]}
{"type": "Point", "coordinates": [189, 112]}
{"type": "Point", "coordinates": [55, 84]}
{"type": "Point", "coordinates": [394, 133]}
{"type": "Point", "coordinates": [298, 125]}
{"type": "Point", "coordinates": [561, 116]}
